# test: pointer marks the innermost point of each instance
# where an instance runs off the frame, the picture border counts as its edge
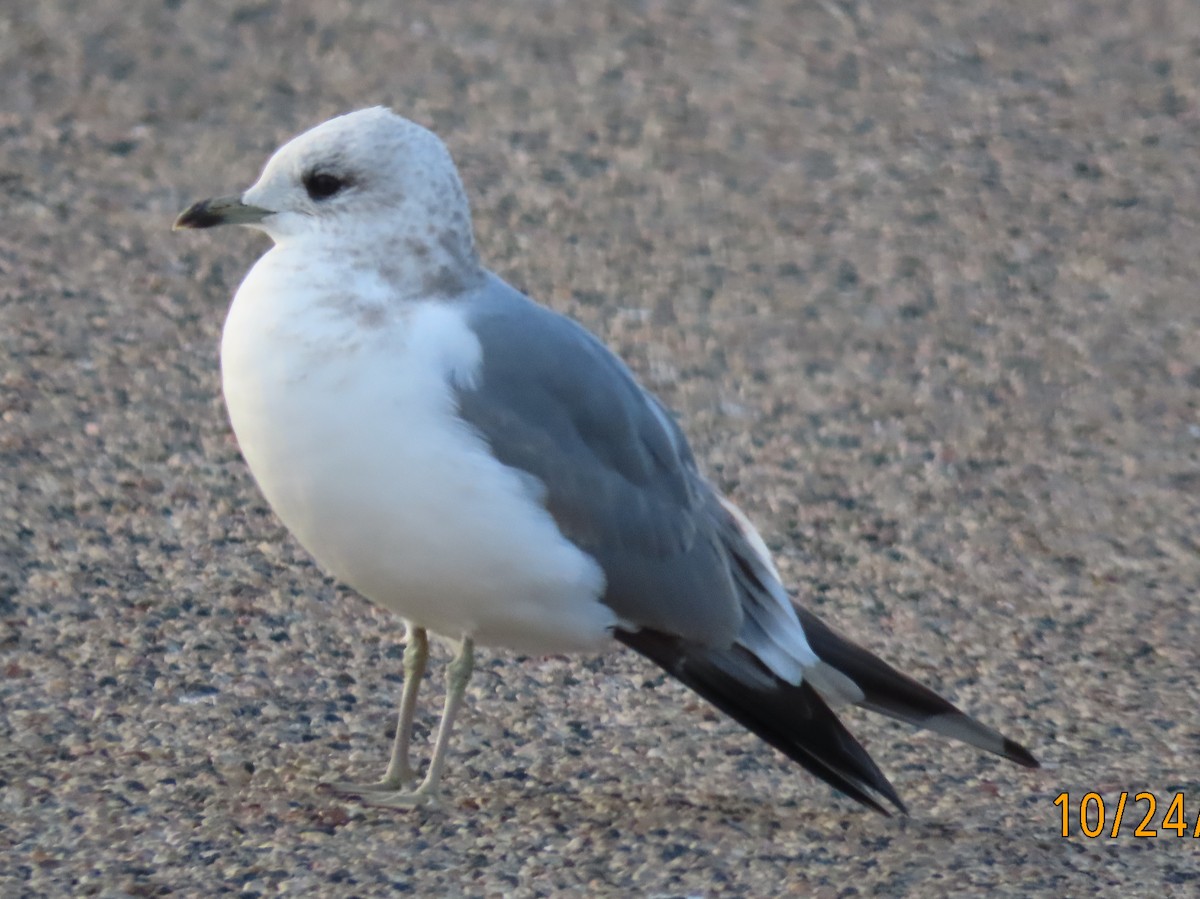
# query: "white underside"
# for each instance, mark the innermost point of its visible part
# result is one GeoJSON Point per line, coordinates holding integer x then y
{"type": "Point", "coordinates": [343, 409]}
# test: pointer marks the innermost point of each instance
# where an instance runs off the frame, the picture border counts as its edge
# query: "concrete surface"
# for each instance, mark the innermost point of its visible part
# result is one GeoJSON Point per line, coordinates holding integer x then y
{"type": "Point", "coordinates": [920, 277]}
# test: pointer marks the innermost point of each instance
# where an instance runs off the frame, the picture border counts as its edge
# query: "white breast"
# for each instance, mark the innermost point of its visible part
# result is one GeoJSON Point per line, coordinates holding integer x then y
{"type": "Point", "coordinates": [344, 409]}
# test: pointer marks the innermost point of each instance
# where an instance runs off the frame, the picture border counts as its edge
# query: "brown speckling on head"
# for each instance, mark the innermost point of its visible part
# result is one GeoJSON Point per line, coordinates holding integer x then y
{"type": "Point", "coordinates": [371, 316]}
{"type": "Point", "coordinates": [458, 241]}
{"type": "Point", "coordinates": [399, 219]}
{"type": "Point", "coordinates": [445, 281]}
{"type": "Point", "coordinates": [418, 248]}
{"type": "Point", "coordinates": [364, 313]}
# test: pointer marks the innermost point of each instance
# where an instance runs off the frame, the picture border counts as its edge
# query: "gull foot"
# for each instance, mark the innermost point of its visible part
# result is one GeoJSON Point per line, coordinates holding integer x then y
{"type": "Point", "coordinates": [383, 787]}
{"type": "Point", "coordinates": [421, 797]}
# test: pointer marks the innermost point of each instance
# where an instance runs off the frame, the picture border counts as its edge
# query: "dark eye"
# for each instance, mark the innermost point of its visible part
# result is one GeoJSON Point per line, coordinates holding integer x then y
{"type": "Point", "coordinates": [322, 185]}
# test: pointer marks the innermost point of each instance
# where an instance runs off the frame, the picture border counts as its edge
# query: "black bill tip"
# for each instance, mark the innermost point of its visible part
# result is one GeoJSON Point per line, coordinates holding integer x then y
{"type": "Point", "coordinates": [198, 215]}
{"type": "Point", "coordinates": [219, 211]}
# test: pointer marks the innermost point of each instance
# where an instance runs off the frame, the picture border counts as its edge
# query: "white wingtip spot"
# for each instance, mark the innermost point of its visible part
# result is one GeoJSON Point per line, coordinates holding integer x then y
{"type": "Point", "coordinates": [835, 688]}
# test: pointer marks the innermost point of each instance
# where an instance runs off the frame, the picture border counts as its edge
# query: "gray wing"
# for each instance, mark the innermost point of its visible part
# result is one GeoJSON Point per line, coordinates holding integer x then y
{"type": "Point", "coordinates": [699, 590]}
{"type": "Point", "coordinates": [619, 479]}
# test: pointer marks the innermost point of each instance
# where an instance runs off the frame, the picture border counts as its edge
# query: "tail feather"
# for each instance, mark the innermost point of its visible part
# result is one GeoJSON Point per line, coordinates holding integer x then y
{"type": "Point", "coordinates": [751, 682]}
{"type": "Point", "coordinates": [794, 719]}
{"type": "Point", "coordinates": [852, 674]}
{"type": "Point", "coordinates": [889, 692]}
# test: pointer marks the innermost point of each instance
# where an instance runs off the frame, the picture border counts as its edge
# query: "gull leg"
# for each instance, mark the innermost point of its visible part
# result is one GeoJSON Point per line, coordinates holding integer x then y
{"type": "Point", "coordinates": [399, 772]}
{"type": "Point", "coordinates": [457, 676]}
{"type": "Point", "coordinates": [416, 653]}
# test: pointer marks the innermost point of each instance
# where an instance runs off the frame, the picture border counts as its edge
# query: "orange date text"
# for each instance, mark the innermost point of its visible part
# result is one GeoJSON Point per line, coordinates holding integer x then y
{"type": "Point", "coordinates": [1143, 814]}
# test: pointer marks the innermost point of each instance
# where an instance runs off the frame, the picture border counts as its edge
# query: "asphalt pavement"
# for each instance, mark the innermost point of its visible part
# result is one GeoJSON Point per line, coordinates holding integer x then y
{"type": "Point", "coordinates": [919, 279]}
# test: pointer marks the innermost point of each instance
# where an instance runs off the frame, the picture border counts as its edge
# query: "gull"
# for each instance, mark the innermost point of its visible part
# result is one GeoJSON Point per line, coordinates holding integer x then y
{"type": "Point", "coordinates": [488, 470]}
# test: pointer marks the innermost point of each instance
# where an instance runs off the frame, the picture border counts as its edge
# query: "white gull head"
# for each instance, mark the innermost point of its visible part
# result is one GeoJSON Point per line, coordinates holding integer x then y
{"type": "Point", "coordinates": [369, 186]}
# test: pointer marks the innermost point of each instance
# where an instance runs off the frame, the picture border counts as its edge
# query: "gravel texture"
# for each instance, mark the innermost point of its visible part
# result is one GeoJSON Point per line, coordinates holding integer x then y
{"type": "Point", "coordinates": [920, 277]}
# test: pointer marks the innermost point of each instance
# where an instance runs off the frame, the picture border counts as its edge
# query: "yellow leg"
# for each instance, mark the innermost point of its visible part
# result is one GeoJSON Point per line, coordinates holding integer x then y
{"type": "Point", "coordinates": [400, 773]}
{"type": "Point", "coordinates": [457, 677]}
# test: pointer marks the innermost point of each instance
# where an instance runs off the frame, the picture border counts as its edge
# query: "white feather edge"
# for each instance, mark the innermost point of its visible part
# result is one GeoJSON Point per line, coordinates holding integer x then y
{"type": "Point", "coordinates": [835, 687]}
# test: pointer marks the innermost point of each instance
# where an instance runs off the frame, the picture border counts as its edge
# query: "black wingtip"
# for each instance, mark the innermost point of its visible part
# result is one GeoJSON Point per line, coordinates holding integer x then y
{"type": "Point", "coordinates": [1015, 752]}
{"type": "Point", "coordinates": [794, 719]}
{"type": "Point", "coordinates": [890, 692]}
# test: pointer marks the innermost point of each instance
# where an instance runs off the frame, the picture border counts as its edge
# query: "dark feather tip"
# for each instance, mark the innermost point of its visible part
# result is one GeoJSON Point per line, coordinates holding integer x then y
{"type": "Point", "coordinates": [1015, 752]}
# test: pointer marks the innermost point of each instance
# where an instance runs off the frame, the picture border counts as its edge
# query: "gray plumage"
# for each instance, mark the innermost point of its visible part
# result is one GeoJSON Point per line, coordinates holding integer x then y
{"type": "Point", "coordinates": [691, 590]}
{"type": "Point", "coordinates": [618, 478]}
